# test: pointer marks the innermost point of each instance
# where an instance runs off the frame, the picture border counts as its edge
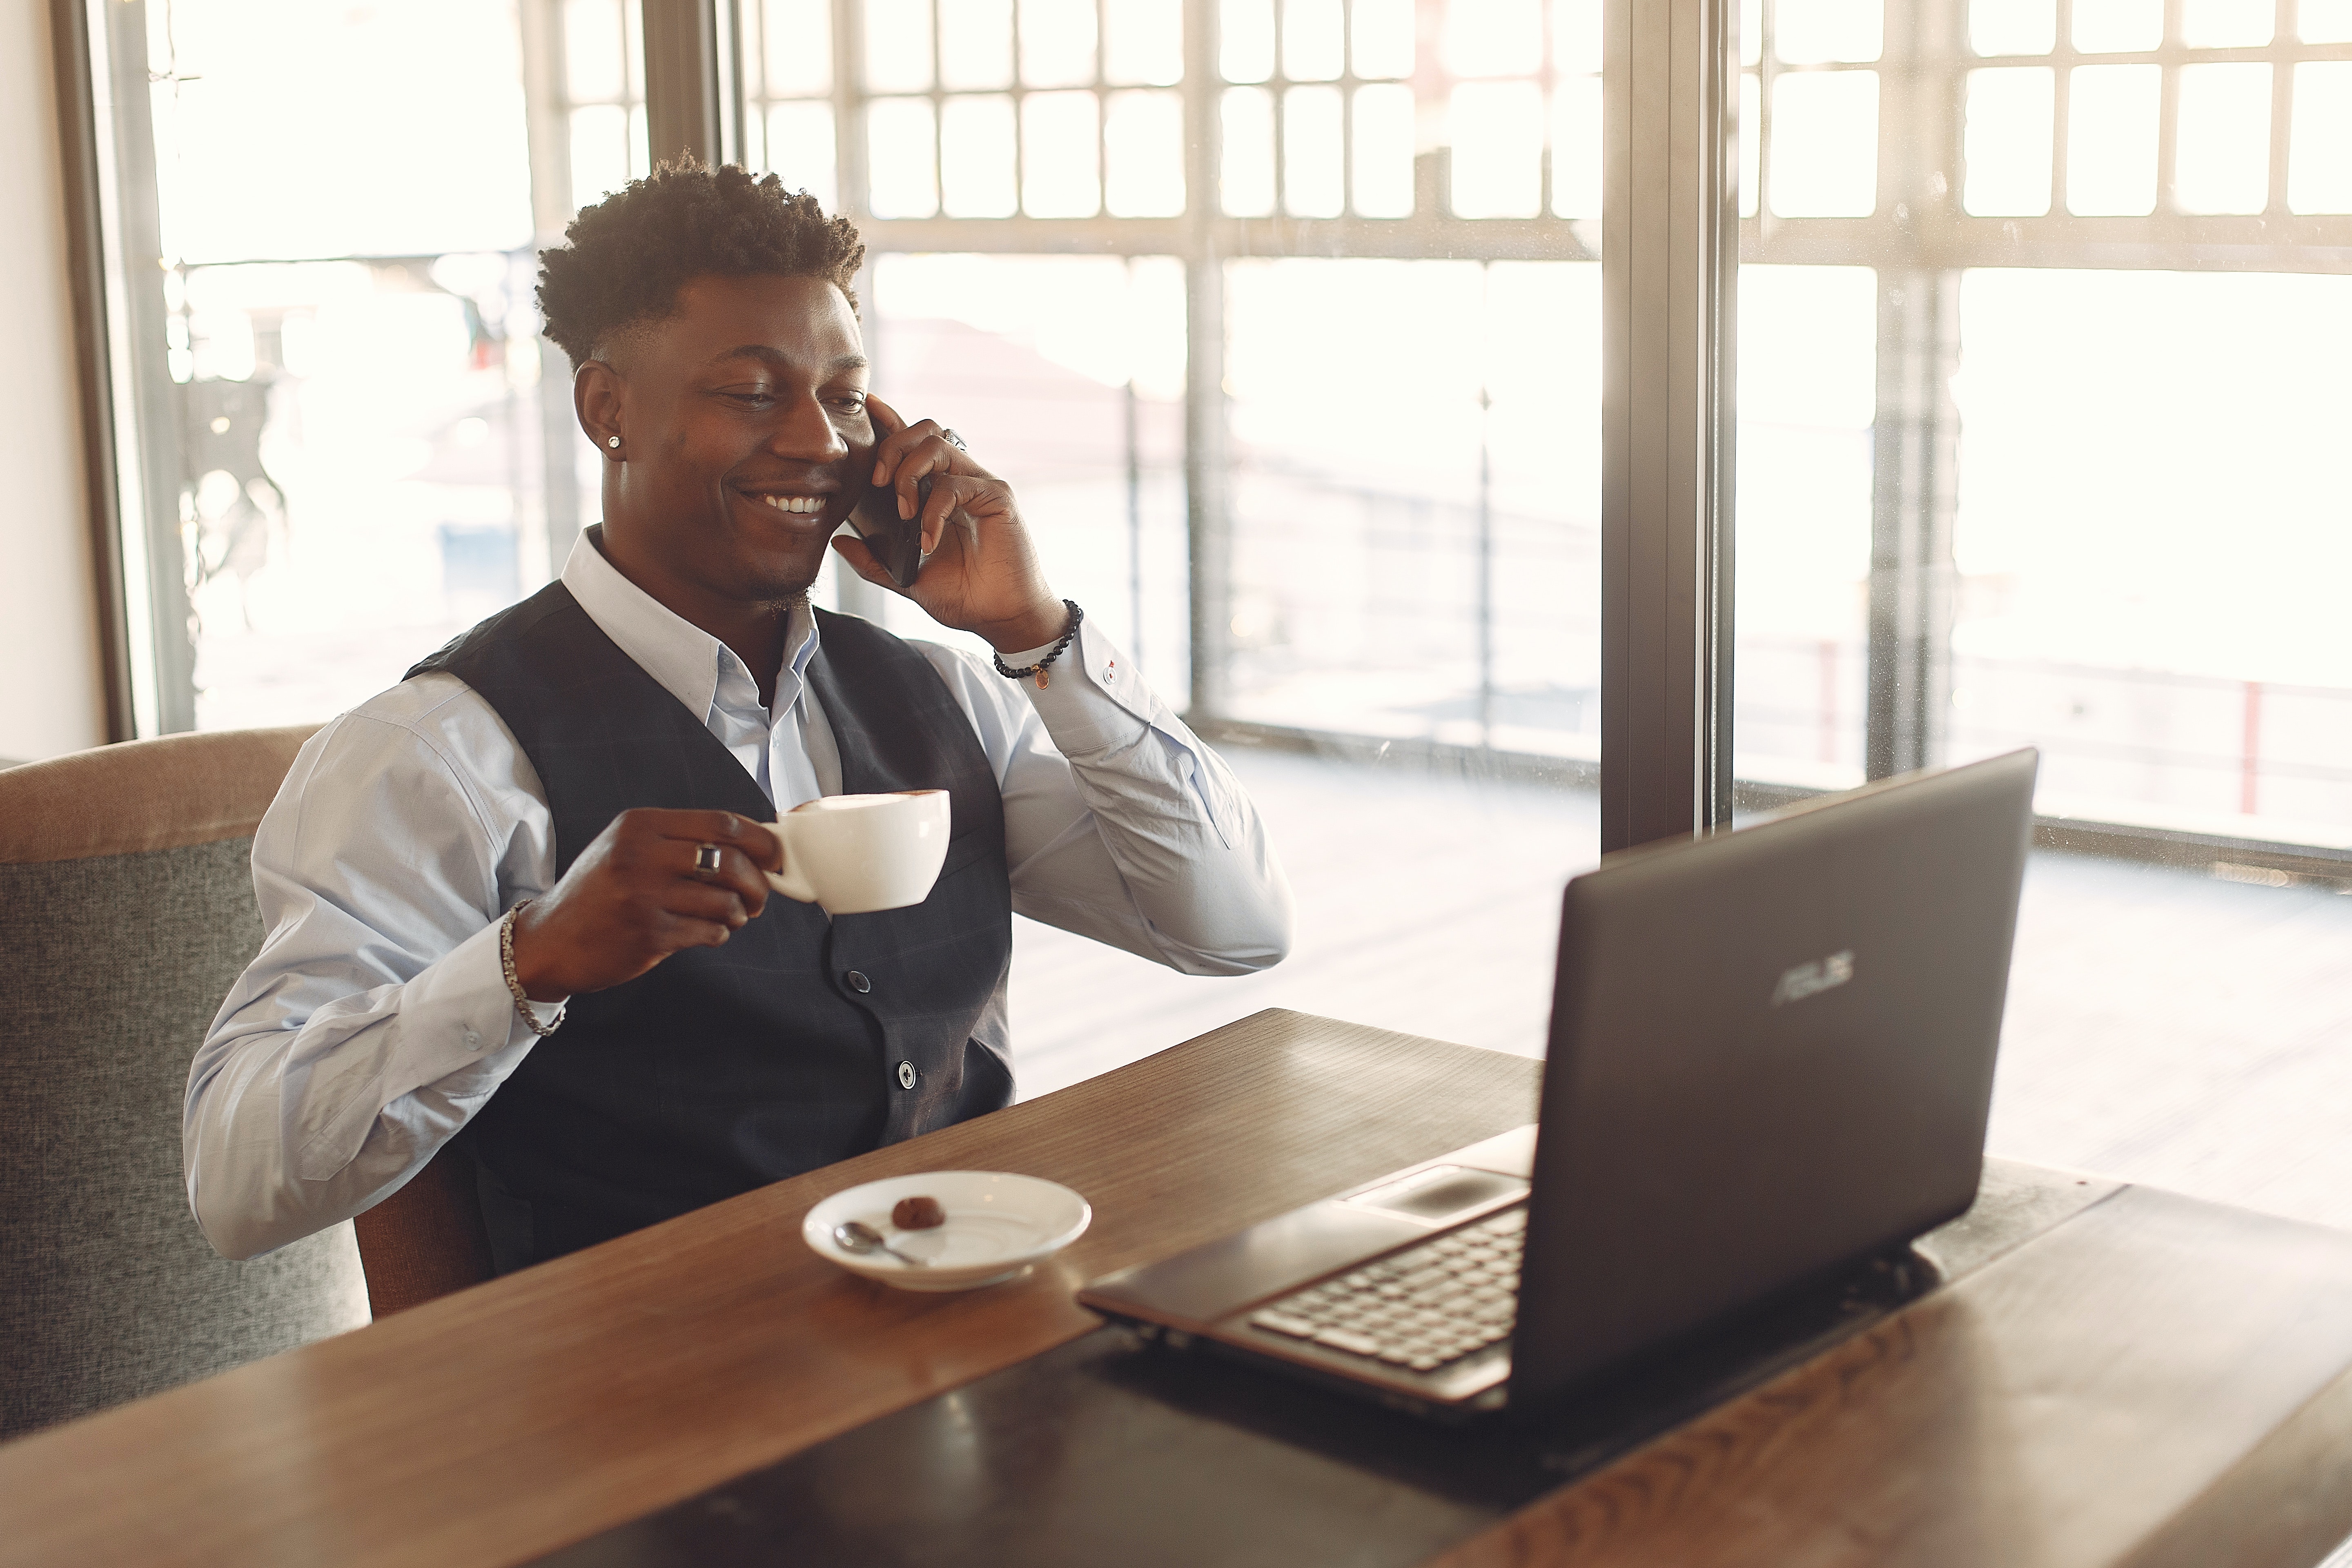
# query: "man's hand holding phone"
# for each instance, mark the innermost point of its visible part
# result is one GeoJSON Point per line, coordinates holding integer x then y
{"type": "Point", "coordinates": [980, 572]}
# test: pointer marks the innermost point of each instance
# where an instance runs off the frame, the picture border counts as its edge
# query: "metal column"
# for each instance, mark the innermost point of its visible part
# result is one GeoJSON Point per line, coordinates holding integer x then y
{"type": "Point", "coordinates": [1207, 498]}
{"type": "Point", "coordinates": [853, 594]}
{"type": "Point", "coordinates": [1914, 449]}
{"type": "Point", "coordinates": [1914, 427]}
{"type": "Point", "coordinates": [1669, 244]}
{"type": "Point", "coordinates": [552, 202]}
{"type": "Point", "coordinates": [682, 86]}
{"type": "Point", "coordinates": [145, 431]}
{"type": "Point", "coordinates": [80, 166]}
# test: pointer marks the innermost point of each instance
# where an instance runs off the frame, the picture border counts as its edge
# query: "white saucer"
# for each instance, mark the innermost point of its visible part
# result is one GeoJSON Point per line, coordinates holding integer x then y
{"type": "Point", "coordinates": [998, 1225]}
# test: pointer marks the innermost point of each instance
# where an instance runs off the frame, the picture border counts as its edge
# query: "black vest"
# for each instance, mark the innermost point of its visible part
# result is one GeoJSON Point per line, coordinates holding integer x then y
{"type": "Point", "coordinates": [724, 1068]}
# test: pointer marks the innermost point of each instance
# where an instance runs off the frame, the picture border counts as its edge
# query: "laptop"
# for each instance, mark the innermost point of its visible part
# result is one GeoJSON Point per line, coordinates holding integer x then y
{"type": "Point", "coordinates": [1771, 1060]}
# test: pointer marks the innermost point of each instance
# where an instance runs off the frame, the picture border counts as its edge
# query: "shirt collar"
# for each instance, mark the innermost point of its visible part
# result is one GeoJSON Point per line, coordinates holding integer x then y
{"type": "Point", "coordinates": [684, 660]}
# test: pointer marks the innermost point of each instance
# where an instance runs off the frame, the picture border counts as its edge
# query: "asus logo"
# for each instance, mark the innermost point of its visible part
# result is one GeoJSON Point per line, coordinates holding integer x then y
{"type": "Point", "coordinates": [1812, 979]}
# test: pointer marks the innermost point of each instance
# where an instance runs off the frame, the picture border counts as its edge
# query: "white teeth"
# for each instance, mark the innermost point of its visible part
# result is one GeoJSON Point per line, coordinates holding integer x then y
{"type": "Point", "coordinates": [795, 503]}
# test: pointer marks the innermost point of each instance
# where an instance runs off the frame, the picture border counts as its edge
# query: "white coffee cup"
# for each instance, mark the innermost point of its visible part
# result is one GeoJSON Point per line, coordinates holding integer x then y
{"type": "Point", "coordinates": [853, 853]}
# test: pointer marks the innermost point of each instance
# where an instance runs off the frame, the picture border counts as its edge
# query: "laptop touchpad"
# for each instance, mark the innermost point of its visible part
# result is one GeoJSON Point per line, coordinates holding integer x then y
{"type": "Point", "coordinates": [1441, 1194]}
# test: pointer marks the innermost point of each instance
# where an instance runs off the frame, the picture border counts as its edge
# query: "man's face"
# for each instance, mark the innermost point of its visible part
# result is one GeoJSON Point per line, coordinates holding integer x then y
{"type": "Point", "coordinates": [745, 439]}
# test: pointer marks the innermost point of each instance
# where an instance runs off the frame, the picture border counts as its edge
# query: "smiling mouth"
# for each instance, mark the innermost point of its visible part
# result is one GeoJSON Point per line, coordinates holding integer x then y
{"type": "Point", "coordinates": [793, 503]}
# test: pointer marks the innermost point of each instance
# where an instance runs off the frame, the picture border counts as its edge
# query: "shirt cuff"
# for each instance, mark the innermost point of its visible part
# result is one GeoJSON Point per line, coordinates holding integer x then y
{"type": "Point", "coordinates": [1093, 699]}
{"type": "Point", "coordinates": [459, 1008]}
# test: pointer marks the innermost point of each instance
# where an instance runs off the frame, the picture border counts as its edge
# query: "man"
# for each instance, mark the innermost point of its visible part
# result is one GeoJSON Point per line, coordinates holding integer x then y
{"type": "Point", "coordinates": [518, 898]}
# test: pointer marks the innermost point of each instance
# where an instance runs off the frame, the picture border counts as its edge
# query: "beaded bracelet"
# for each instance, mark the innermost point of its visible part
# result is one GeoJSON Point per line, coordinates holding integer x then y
{"type": "Point", "coordinates": [1038, 669]}
{"type": "Point", "coordinates": [514, 982]}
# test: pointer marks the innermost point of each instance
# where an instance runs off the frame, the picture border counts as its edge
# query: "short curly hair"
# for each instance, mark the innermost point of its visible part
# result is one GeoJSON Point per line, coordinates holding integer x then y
{"type": "Point", "coordinates": [625, 258]}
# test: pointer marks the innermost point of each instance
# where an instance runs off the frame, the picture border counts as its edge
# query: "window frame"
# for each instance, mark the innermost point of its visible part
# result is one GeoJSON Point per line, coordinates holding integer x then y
{"type": "Point", "coordinates": [1669, 244]}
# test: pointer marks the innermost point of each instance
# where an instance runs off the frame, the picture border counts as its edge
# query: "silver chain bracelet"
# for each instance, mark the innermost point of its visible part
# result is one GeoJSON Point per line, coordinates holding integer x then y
{"type": "Point", "coordinates": [514, 983]}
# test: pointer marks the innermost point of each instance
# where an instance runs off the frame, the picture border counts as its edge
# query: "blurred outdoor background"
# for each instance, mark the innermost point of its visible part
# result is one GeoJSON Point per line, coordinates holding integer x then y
{"type": "Point", "coordinates": [1289, 342]}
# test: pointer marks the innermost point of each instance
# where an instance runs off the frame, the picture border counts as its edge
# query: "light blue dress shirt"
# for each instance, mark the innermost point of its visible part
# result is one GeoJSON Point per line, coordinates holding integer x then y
{"type": "Point", "coordinates": [376, 1019]}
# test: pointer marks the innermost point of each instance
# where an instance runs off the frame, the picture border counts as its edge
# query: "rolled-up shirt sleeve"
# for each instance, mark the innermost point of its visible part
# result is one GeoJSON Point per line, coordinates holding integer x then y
{"type": "Point", "coordinates": [1120, 825]}
{"type": "Point", "coordinates": [376, 1018]}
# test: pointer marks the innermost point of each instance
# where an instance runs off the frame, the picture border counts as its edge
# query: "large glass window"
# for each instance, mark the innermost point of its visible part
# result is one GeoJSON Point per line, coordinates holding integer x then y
{"type": "Point", "coordinates": [343, 425]}
{"type": "Point", "coordinates": [2043, 324]}
{"type": "Point", "coordinates": [2035, 417]}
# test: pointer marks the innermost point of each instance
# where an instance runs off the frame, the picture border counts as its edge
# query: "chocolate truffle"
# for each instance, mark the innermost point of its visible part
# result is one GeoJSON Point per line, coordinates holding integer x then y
{"type": "Point", "coordinates": [917, 1213]}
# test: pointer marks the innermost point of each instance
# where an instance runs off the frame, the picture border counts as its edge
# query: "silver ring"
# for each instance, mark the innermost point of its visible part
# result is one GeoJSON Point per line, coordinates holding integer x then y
{"type": "Point", "coordinates": [706, 859]}
{"type": "Point", "coordinates": [952, 439]}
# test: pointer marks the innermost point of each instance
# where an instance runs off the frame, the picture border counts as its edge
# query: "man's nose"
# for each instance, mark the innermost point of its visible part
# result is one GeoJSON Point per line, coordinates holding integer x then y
{"type": "Point", "coordinates": [807, 432]}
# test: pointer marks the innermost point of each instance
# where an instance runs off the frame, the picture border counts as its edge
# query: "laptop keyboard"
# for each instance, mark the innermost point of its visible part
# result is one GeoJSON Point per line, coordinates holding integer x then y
{"type": "Point", "coordinates": [1418, 1309]}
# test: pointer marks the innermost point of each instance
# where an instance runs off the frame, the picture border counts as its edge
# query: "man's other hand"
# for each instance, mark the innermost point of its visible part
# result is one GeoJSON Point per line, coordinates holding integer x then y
{"type": "Point", "coordinates": [982, 574]}
{"type": "Point", "coordinates": [634, 897]}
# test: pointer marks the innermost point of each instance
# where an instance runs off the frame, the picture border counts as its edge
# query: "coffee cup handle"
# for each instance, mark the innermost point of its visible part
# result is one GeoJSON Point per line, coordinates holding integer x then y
{"type": "Point", "coordinates": [789, 879]}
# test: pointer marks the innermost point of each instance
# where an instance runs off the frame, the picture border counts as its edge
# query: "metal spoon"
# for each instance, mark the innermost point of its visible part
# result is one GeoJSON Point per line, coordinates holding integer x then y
{"type": "Point", "coordinates": [862, 1239]}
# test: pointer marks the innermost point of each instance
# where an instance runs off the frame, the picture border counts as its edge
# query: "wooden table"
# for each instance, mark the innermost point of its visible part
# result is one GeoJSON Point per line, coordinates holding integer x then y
{"type": "Point", "coordinates": [2112, 1376]}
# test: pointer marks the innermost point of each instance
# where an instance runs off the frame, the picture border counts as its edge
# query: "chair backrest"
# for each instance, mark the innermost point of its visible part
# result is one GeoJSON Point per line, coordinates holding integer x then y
{"type": "Point", "coordinates": [426, 1239]}
{"type": "Point", "coordinates": [126, 912]}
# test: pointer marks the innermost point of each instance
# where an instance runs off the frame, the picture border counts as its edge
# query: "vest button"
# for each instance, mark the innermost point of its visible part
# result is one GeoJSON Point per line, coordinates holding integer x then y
{"type": "Point", "coordinates": [858, 983]}
{"type": "Point", "coordinates": [905, 1075]}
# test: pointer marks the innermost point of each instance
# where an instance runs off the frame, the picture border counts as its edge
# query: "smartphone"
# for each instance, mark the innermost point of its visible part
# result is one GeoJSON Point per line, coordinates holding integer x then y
{"type": "Point", "coordinates": [896, 542]}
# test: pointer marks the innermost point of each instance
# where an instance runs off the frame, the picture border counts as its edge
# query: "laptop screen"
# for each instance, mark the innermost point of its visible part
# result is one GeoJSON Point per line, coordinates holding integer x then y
{"type": "Point", "coordinates": [1772, 1055]}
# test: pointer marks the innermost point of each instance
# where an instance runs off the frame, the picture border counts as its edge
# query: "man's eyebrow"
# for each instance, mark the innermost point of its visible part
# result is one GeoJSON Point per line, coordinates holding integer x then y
{"type": "Point", "coordinates": [779, 360]}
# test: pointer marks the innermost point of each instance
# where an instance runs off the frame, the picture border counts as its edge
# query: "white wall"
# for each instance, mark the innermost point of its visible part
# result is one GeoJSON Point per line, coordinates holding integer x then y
{"type": "Point", "coordinates": [52, 699]}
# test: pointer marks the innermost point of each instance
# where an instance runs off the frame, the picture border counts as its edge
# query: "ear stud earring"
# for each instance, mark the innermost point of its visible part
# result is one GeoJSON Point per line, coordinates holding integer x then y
{"type": "Point", "coordinates": [613, 441]}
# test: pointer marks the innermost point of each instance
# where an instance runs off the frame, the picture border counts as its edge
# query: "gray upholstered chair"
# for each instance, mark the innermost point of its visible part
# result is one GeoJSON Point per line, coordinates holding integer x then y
{"type": "Point", "coordinates": [126, 910]}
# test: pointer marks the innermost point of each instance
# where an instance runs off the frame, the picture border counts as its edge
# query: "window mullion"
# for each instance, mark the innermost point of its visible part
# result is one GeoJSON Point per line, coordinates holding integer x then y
{"type": "Point", "coordinates": [1669, 250]}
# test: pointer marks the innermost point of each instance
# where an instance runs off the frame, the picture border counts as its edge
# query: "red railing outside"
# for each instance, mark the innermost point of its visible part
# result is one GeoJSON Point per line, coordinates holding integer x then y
{"type": "Point", "coordinates": [2209, 743]}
